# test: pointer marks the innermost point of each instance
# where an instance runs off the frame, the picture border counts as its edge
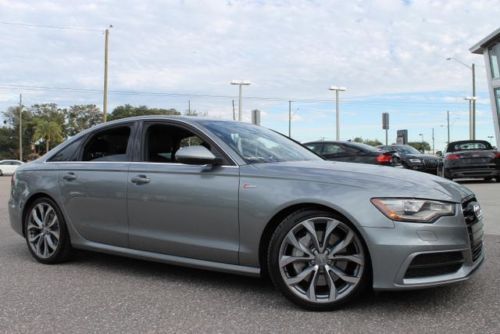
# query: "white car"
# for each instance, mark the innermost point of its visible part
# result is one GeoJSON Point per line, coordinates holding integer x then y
{"type": "Point", "coordinates": [8, 167]}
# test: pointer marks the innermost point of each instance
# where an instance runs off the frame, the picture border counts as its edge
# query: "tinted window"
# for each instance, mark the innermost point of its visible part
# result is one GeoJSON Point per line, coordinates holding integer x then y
{"type": "Point", "coordinates": [315, 147]}
{"type": "Point", "coordinates": [108, 145]}
{"type": "Point", "coordinates": [495, 61]}
{"type": "Point", "coordinates": [363, 147]}
{"type": "Point", "coordinates": [466, 146]}
{"type": "Point", "coordinates": [333, 149]}
{"type": "Point", "coordinates": [68, 153]}
{"type": "Point", "coordinates": [162, 142]}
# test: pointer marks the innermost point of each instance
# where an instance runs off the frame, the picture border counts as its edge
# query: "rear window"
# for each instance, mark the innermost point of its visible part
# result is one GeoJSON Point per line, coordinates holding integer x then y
{"type": "Point", "coordinates": [469, 146]}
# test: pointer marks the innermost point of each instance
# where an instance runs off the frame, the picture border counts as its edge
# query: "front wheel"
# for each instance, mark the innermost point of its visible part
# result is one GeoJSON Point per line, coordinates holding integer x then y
{"type": "Point", "coordinates": [318, 260]}
{"type": "Point", "coordinates": [46, 234]}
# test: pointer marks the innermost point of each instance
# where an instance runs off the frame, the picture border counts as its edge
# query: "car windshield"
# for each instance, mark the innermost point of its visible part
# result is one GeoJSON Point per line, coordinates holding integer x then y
{"type": "Point", "coordinates": [257, 144]}
{"type": "Point", "coordinates": [469, 146]}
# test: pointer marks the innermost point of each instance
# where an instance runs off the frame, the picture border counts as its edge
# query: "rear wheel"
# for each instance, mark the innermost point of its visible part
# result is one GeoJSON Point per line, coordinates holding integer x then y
{"type": "Point", "coordinates": [46, 234]}
{"type": "Point", "coordinates": [1, 173]}
{"type": "Point", "coordinates": [317, 260]}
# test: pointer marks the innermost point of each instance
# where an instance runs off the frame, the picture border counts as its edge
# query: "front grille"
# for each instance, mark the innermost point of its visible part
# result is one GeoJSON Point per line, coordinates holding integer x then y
{"type": "Point", "coordinates": [474, 228]}
{"type": "Point", "coordinates": [430, 163]}
{"type": "Point", "coordinates": [434, 264]}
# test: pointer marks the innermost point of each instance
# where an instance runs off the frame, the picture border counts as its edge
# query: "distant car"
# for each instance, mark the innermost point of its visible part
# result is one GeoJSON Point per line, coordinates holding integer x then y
{"type": "Point", "coordinates": [411, 158]}
{"type": "Point", "coordinates": [471, 158]}
{"type": "Point", "coordinates": [351, 152]}
{"type": "Point", "coordinates": [8, 167]}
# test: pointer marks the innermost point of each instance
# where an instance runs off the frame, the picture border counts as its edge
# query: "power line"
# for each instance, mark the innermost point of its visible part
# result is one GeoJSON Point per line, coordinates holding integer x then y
{"type": "Point", "coordinates": [201, 95]}
{"type": "Point", "coordinates": [46, 26]}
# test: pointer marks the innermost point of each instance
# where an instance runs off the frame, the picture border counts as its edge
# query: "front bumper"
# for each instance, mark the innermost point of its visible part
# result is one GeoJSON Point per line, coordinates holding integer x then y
{"type": "Point", "coordinates": [395, 253]}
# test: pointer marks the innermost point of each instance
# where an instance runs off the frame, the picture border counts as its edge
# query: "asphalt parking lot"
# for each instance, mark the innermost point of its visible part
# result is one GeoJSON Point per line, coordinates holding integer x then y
{"type": "Point", "coordinates": [98, 293]}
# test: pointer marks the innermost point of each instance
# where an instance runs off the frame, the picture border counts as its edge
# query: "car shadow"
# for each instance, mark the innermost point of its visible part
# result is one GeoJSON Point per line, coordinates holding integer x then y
{"type": "Point", "coordinates": [261, 289]}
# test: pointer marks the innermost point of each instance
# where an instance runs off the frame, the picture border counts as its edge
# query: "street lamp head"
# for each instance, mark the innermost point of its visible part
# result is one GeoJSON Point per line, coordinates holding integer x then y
{"type": "Point", "coordinates": [240, 82]}
{"type": "Point", "coordinates": [340, 89]}
{"type": "Point", "coordinates": [470, 98]}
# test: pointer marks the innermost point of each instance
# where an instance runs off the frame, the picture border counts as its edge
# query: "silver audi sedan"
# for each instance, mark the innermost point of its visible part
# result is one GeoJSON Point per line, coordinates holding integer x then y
{"type": "Point", "coordinates": [239, 198]}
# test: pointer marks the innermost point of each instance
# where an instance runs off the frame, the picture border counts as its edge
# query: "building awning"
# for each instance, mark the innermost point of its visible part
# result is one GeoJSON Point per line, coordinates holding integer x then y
{"type": "Point", "coordinates": [486, 42]}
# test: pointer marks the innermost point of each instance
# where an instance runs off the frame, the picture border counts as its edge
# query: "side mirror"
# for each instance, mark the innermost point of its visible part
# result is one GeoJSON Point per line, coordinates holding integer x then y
{"type": "Point", "coordinates": [196, 155]}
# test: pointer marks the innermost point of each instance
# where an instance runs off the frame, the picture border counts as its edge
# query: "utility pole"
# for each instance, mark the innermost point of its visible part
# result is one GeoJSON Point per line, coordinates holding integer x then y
{"type": "Point", "coordinates": [289, 119]}
{"type": "Point", "coordinates": [189, 107]}
{"type": "Point", "coordinates": [21, 127]}
{"type": "Point", "coordinates": [448, 124]}
{"type": "Point", "coordinates": [240, 83]}
{"type": "Point", "coordinates": [473, 69]}
{"type": "Point", "coordinates": [234, 113]}
{"type": "Point", "coordinates": [105, 93]}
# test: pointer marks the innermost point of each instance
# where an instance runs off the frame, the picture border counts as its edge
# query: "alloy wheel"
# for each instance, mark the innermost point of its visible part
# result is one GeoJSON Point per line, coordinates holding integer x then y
{"type": "Point", "coordinates": [43, 230]}
{"type": "Point", "coordinates": [321, 260]}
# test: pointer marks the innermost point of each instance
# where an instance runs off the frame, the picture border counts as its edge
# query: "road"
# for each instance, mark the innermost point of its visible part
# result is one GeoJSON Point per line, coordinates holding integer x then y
{"type": "Point", "coordinates": [98, 293]}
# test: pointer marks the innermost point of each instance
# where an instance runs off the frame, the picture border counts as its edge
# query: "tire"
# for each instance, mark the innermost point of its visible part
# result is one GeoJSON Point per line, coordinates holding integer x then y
{"type": "Point", "coordinates": [447, 175]}
{"type": "Point", "coordinates": [488, 179]}
{"type": "Point", "coordinates": [1, 173]}
{"type": "Point", "coordinates": [46, 233]}
{"type": "Point", "coordinates": [339, 266]}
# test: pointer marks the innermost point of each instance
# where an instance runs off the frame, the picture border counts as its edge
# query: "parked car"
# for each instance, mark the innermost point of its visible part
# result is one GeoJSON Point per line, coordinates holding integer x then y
{"type": "Point", "coordinates": [411, 158]}
{"type": "Point", "coordinates": [352, 152]}
{"type": "Point", "coordinates": [240, 198]}
{"type": "Point", "coordinates": [471, 158]}
{"type": "Point", "coordinates": [8, 167]}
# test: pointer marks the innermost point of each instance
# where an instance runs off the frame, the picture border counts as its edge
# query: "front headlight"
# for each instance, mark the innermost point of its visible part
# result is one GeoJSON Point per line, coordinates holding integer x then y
{"type": "Point", "coordinates": [413, 210]}
{"type": "Point", "coordinates": [416, 161]}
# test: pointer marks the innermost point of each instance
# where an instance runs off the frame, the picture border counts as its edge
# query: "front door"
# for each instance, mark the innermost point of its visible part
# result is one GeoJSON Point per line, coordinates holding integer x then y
{"type": "Point", "coordinates": [178, 209]}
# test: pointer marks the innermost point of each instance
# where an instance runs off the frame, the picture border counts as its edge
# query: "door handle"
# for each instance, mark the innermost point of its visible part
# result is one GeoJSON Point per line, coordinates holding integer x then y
{"type": "Point", "coordinates": [140, 179]}
{"type": "Point", "coordinates": [69, 176]}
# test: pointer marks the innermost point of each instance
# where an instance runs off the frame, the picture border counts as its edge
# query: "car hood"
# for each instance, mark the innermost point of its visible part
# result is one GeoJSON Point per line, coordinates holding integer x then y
{"type": "Point", "coordinates": [381, 181]}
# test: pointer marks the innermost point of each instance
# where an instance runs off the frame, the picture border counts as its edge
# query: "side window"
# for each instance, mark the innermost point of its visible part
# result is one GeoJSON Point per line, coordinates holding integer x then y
{"type": "Point", "coordinates": [316, 147]}
{"type": "Point", "coordinates": [68, 153]}
{"type": "Point", "coordinates": [162, 142]}
{"type": "Point", "coordinates": [108, 145]}
{"type": "Point", "coordinates": [332, 149]}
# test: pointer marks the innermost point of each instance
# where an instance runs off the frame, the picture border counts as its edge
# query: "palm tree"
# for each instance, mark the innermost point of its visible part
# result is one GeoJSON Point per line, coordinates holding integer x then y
{"type": "Point", "coordinates": [47, 130]}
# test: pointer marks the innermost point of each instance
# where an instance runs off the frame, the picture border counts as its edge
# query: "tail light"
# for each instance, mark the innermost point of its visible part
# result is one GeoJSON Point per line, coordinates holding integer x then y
{"type": "Point", "coordinates": [384, 158]}
{"type": "Point", "coordinates": [497, 155]}
{"type": "Point", "coordinates": [453, 157]}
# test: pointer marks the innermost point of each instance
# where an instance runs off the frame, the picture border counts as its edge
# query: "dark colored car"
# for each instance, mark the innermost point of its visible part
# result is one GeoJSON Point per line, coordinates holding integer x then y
{"type": "Point", "coordinates": [411, 158]}
{"type": "Point", "coordinates": [351, 152]}
{"type": "Point", "coordinates": [471, 158]}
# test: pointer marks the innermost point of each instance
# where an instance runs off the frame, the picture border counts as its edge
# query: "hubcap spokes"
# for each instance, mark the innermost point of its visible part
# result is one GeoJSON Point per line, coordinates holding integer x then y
{"type": "Point", "coordinates": [43, 230]}
{"type": "Point", "coordinates": [321, 259]}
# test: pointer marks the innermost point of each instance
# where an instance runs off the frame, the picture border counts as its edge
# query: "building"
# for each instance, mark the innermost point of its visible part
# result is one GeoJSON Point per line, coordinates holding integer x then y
{"type": "Point", "coordinates": [489, 47]}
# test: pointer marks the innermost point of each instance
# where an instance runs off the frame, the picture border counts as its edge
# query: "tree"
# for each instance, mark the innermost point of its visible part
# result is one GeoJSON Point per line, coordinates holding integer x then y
{"type": "Point", "coordinates": [371, 142]}
{"type": "Point", "coordinates": [421, 146]}
{"type": "Point", "coordinates": [48, 131]}
{"type": "Point", "coordinates": [81, 117]}
{"type": "Point", "coordinates": [12, 123]}
{"type": "Point", "coordinates": [8, 144]}
{"type": "Point", "coordinates": [128, 110]}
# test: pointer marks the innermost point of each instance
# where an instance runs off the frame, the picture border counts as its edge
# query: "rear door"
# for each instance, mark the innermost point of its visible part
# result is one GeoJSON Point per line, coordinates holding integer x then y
{"type": "Point", "coordinates": [179, 209]}
{"type": "Point", "coordinates": [93, 183]}
{"type": "Point", "coordinates": [337, 152]}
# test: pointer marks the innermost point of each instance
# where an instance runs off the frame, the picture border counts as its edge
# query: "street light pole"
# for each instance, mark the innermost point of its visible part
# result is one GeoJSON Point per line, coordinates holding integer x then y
{"type": "Point", "coordinates": [20, 127]}
{"type": "Point", "coordinates": [433, 142]}
{"type": "Point", "coordinates": [472, 103]}
{"type": "Point", "coordinates": [422, 136]}
{"type": "Point", "coordinates": [448, 124]}
{"type": "Point", "coordinates": [337, 115]}
{"type": "Point", "coordinates": [240, 83]}
{"type": "Point", "coordinates": [472, 117]}
{"type": "Point", "coordinates": [289, 119]}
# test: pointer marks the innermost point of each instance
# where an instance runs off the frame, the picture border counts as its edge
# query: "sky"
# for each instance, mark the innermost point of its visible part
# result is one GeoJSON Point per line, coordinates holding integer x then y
{"type": "Point", "coordinates": [389, 54]}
